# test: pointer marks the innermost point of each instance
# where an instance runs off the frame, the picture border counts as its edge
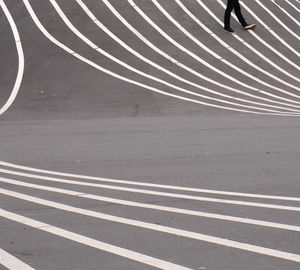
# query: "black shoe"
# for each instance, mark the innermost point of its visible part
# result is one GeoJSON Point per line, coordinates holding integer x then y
{"type": "Point", "coordinates": [228, 30]}
{"type": "Point", "coordinates": [249, 27]}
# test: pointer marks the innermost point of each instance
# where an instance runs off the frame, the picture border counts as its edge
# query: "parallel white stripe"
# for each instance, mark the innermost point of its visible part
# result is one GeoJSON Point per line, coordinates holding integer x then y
{"type": "Point", "coordinates": [126, 253]}
{"type": "Point", "coordinates": [288, 14]}
{"type": "Point", "coordinates": [202, 61]}
{"type": "Point", "coordinates": [150, 192]}
{"type": "Point", "coordinates": [201, 45]}
{"type": "Point", "coordinates": [278, 20]}
{"type": "Point", "coordinates": [139, 224]}
{"type": "Point", "coordinates": [292, 5]}
{"type": "Point", "coordinates": [268, 28]}
{"type": "Point", "coordinates": [156, 49]}
{"type": "Point", "coordinates": [154, 207]}
{"type": "Point", "coordinates": [85, 60]}
{"type": "Point", "coordinates": [146, 60]}
{"type": "Point", "coordinates": [152, 185]}
{"type": "Point", "coordinates": [98, 49]}
{"type": "Point", "coordinates": [267, 45]}
{"type": "Point", "coordinates": [19, 77]}
{"type": "Point", "coordinates": [11, 262]}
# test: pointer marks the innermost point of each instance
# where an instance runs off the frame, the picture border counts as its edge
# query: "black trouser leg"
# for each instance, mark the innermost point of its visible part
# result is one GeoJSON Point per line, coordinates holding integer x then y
{"type": "Point", "coordinates": [233, 4]}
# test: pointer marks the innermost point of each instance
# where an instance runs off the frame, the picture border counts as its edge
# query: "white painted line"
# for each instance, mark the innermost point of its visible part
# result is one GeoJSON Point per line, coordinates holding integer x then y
{"type": "Point", "coordinates": [126, 253]}
{"type": "Point", "coordinates": [265, 44]}
{"type": "Point", "coordinates": [288, 14]}
{"type": "Point", "coordinates": [85, 60]}
{"type": "Point", "coordinates": [292, 5]}
{"type": "Point", "coordinates": [146, 60]}
{"type": "Point", "coordinates": [282, 41]}
{"type": "Point", "coordinates": [135, 223]}
{"type": "Point", "coordinates": [278, 20]}
{"type": "Point", "coordinates": [246, 60]}
{"type": "Point", "coordinates": [152, 192]}
{"type": "Point", "coordinates": [11, 262]}
{"type": "Point", "coordinates": [154, 207]}
{"type": "Point", "coordinates": [202, 61]}
{"type": "Point", "coordinates": [94, 46]}
{"type": "Point", "coordinates": [152, 185]}
{"type": "Point", "coordinates": [156, 49]}
{"type": "Point", "coordinates": [19, 77]}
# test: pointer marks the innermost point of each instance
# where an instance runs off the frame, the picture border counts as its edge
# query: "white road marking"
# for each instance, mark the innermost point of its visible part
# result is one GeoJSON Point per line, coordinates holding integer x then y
{"type": "Point", "coordinates": [98, 49]}
{"type": "Point", "coordinates": [156, 49]}
{"type": "Point", "coordinates": [126, 253]}
{"type": "Point", "coordinates": [268, 28]}
{"type": "Point", "coordinates": [153, 206]}
{"type": "Point", "coordinates": [202, 61]}
{"type": "Point", "coordinates": [136, 223]}
{"type": "Point", "coordinates": [146, 60]}
{"type": "Point", "coordinates": [292, 5]}
{"type": "Point", "coordinates": [152, 185]}
{"type": "Point", "coordinates": [11, 262]}
{"type": "Point", "coordinates": [152, 192]}
{"type": "Point", "coordinates": [85, 60]}
{"type": "Point", "coordinates": [19, 77]}
{"type": "Point", "coordinates": [288, 14]}
{"type": "Point", "coordinates": [201, 45]}
{"type": "Point", "coordinates": [267, 45]}
{"type": "Point", "coordinates": [278, 20]}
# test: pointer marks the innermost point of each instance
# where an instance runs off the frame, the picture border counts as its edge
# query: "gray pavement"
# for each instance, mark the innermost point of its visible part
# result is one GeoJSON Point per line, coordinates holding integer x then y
{"type": "Point", "coordinates": [69, 117]}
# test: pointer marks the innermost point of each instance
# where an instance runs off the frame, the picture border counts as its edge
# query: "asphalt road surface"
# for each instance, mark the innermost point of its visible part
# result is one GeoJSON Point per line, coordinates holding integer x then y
{"type": "Point", "coordinates": [137, 134]}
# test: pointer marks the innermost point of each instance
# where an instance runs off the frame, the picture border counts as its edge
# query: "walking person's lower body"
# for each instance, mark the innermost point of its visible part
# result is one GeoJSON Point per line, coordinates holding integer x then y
{"type": "Point", "coordinates": [234, 4]}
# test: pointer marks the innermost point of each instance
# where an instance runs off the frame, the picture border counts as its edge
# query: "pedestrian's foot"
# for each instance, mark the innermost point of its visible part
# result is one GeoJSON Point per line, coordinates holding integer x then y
{"type": "Point", "coordinates": [249, 26]}
{"type": "Point", "coordinates": [228, 30]}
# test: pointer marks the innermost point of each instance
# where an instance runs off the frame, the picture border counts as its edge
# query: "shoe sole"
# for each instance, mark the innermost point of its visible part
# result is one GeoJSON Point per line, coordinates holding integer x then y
{"type": "Point", "coordinates": [228, 31]}
{"type": "Point", "coordinates": [251, 27]}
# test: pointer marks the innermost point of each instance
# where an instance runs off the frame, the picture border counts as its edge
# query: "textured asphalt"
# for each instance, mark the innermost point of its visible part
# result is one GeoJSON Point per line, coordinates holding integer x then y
{"type": "Point", "coordinates": [70, 117]}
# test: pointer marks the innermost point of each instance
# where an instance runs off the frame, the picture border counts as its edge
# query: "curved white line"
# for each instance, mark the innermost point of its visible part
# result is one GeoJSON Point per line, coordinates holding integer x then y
{"type": "Point", "coordinates": [20, 56]}
{"type": "Point", "coordinates": [268, 28]}
{"type": "Point", "coordinates": [154, 206]}
{"type": "Point", "coordinates": [154, 193]}
{"type": "Point", "coordinates": [12, 263]}
{"type": "Point", "coordinates": [278, 20]}
{"type": "Point", "coordinates": [250, 63]}
{"type": "Point", "coordinates": [83, 59]}
{"type": "Point", "coordinates": [202, 61]}
{"type": "Point", "coordinates": [146, 60]}
{"type": "Point", "coordinates": [137, 224]}
{"type": "Point", "coordinates": [176, 62]}
{"type": "Point", "coordinates": [123, 252]}
{"type": "Point", "coordinates": [95, 47]}
{"type": "Point", "coordinates": [288, 14]}
{"type": "Point", "coordinates": [265, 44]}
{"type": "Point", "coordinates": [152, 185]}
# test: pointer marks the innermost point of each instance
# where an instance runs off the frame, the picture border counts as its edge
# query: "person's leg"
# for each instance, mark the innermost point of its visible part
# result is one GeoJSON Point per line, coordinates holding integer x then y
{"type": "Point", "coordinates": [230, 6]}
{"type": "Point", "coordinates": [237, 10]}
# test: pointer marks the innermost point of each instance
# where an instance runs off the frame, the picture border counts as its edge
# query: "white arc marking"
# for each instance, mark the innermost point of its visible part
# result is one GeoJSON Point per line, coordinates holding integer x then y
{"type": "Point", "coordinates": [20, 56]}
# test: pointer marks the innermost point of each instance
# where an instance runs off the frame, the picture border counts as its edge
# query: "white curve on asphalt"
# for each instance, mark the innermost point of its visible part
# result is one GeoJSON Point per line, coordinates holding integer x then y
{"type": "Point", "coordinates": [146, 60]}
{"type": "Point", "coordinates": [268, 28]}
{"type": "Point", "coordinates": [140, 224]}
{"type": "Point", "coordinates": [154, 206]}
{"type": "Point", "coordinates": [224, 44]}
{"type": "Point", "coordinates": [154, 193]}
{"type": "Point", "coordinates": [152, 185]}
{"type": "Point", "coordinates": [168, 57]}
{"type": "Point", "coordinates": [278, 20]}
{"type": "Point", "coordinates": [12, 263]}
{"type": "Point", "coordinates": [286, 13]}
{"type": "Point", "coordinates": [263, 42]}
{"type": "Point", "coordinates": [202, 61]}
{"type": "Point", "coordinates": [153, 89]}
{"type": "Point", "coordinates": [98, 49]}
{"type": "Point", "coordinates": [21, 60]}
{"type": "Point", "coordinates": [292, 5]}
{"type": "Point", "coordinates": [123, 252]}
